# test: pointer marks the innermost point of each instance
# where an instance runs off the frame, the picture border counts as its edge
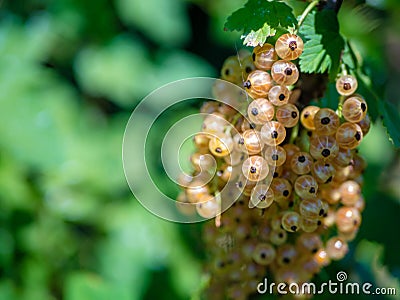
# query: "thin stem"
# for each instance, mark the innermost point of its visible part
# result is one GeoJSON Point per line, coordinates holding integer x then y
{"type": "Point", "coordinates": [295, 133]}
{"type": "Point", "coordinates": [344, 69]}
{"type": "Point", "coordinates": [218, 215]}
{"type": "Point", "coordinates": [305, 13]}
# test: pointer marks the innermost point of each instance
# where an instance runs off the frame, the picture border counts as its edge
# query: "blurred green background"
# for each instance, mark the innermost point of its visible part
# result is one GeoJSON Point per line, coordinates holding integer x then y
{"type": "Point", "coordinates": [71, 72]}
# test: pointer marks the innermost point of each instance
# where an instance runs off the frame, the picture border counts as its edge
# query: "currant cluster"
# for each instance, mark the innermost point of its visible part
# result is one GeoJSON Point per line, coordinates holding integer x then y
{"type": "Point", "coordinates": [298, 172]}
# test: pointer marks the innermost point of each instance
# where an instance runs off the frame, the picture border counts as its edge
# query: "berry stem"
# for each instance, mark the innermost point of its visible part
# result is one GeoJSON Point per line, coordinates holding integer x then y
{"type": "Point", "coordinates": [294, 134]}
{"type": "Point", "coordinates": [305, 13]}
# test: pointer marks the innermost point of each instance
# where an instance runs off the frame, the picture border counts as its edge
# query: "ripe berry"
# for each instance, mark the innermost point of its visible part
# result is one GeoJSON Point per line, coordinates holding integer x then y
{"type": "Point", "coordinates": [288, 115]}
{"type": "Point", "coordinates": [326, 121]}
{"type": "Point", "coordinates": [312, 208]}
{"type": "Point", "coordinates": [214, 123]}
{"type": "Point", "coordinates": [301, 163]}
{"type": "Point", "coordinates": [291, 221]}
{"type": "Point", "coordinates": [350, 192]}
{"type": "Point", "coordinates": [336, 248]}
{"type": "Point", "coordinates": [275, 156]}
{"type": "Point", "coordinates": [264, 56]}
{"type": "Point", "coordinates": [354, 109]}
{"type": "Point", "coordinates": [323, 171]}
{"type": "Point", "coordinates": [286, 254]}
{"type": "Point", "coordinates": [349, 135]}
{"type": "Point", "coordinates": [231, 70]}
{"type": "Point", "coordinates": [348, 219]}
{"type": "Point", "coordinates": [264, 254]}
{"type": "Point", "coordinates": [306, 187]}
{"type": "Point", "coordinates": [323, 147]}
{"type": "Point", "coordinates": [346, 85]}
{"type": "Point", "coordinates": [262, 196]}
{"type": "Point", "coordinates": [221, 146]}
{"type": "Point", "coordinates": [365, 124]}
{"type": "Point", "coordinates": [208, 207]}
{"type": "Point", "coordinates": [309, 243]}
{"type": "Point", "coordinates": [249, 142]}
{"type": "Point", "coordinates": [284, 72]}
{"type": "Point", "coordinates": [279, 95]}
{"type": "Point", "coordinates": [282, 189]}
{"type": "Point", "coordinates": [278, 236]}
{"type": "Point", "coordinates": [273, 133]}
{"type": "Point", "coordinates": [258, 84]}
{"type": "Point", "coordinates": [307, 116]}
{"type": "Point", "coordinates": [255, 168]}
{"type": "Point", "coordinates": [260, 111]}
{"type": "Point", "coordinates": [289, 46]}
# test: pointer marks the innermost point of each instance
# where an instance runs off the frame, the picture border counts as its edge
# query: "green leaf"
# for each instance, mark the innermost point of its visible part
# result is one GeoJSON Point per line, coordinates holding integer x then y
{"type": "Point", "coordinates": [256, 13]}
{"type": "Point", "coordinates": [255, 38]}
{"type": "Point", "coordinates": [391, 120]}
{"type": "Point", "coordinates": [324, 44]}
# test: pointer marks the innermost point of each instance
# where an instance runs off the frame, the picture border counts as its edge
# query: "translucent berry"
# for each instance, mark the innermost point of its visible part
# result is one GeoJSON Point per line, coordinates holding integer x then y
{"type": "Point", "coordinates": [306, 187]}
{"type": "Point", "coordinates": [196, 191]}
{"type": "Point", "coordinates": [349, 135]}
{"type": "Point", "coordinates": [322, 258]}
{"type": "Point", "coordinates": [326, 121]}
{"type": "Point", "coordinates": [208, 207]}
{"type": "Point", "coordinates": [336, 248]}
{"type": "Point", "coordinates": [312, 208]}
{"type": "Point", "coordinates": [275, 156]}
{"type": "Point", "coordinates": [291, 221]}
{"type": "Point", "coordinates": [323, 147]}
{"type": "Point", "coordinates": [278, 236]}
{"type": "Point", "coordinates": [354, 109]}
{"type": "Point", "coordinates": [347, 219]}
{"type": "Point", "coordinates": [291, 149]}
{"type": "Point", "coordinates": [264, 254]}
{"type": "Point", "coordinates": [365, 124]}
{"type": "Point", "coordinates": [264, 56]}
{"type": "Point", "coordinates": [350, 192]}
{"type": "Point", "coordinates": [231, 70]}
{"type": "Point", "coordinates": [289, 46]}
{"type": "Point", "coordinates": [301, 163]}
{"type": "Point", "coordinates": [201, 161]}
{"type": "Point", "coordinates": [201, 141]}
{"type": "Point", "coordinates": [284, 72]}
{"type": "Point", "coordinates": [343, 158]}
{"type": "Point", "coordinates": [323, 171]}
{"type": "Point", "coordinates": [346, 85]}
{"type": "Point", "coordinates": [288, 115]}
{"type": "Point", "coordinates": [309, 243]}
{"type": "Point", "coordinates": [247, 65]}
{"type": "Point", "coordinates": [307, 116]}
{"type": "Point", "coordinates": [214, 123]}
{"type": "Point", "coordinates": [286, 254]}
{"type": "Point", "coordinates": [262, 196]}
{"type": "Point", "coordinates": [221, 146]}
{"type": "Point", "coordinates": [282, 189]}
{"type": "Point", "coordinates": [273, 133]}
{"type": "Point", "coordinates": [279, 95]}
{"type": "Point", "coordinates": [260, 111]}
{"type": "Point", "coordinates": [248, 142]}
{"type": "Point", "coordinates": [309, 225]}
{"type": "Point", "coordinates": [255, 168]}
{"type": "Point", "coordinates": [258, 84]}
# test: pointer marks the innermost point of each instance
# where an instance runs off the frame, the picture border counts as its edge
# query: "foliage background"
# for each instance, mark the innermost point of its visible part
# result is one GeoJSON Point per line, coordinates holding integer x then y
{"type": "Point", "coordinates": [71, 72]}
